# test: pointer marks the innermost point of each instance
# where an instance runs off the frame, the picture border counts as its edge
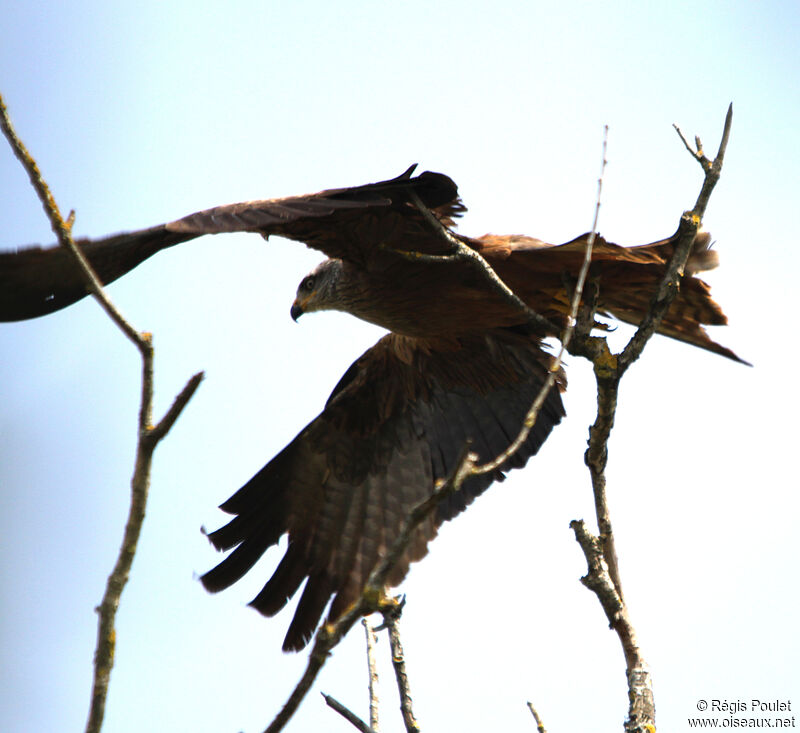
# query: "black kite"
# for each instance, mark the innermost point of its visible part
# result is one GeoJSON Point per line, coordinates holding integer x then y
{"type": "Point", "coordinates": [459, 364]}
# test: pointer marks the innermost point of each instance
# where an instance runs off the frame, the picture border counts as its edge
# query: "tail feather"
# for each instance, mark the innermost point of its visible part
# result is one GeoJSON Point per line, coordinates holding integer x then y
{"type": "Point", "coordinates": [631, 289]}
{"type": "Point", "coordinates": [628, 278]}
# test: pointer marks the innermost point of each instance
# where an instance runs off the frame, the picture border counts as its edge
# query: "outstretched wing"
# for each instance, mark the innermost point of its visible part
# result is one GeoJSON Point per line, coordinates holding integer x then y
{"type": "Point", "coordinates": [395, 423]}
{"type": "Point", "coordinates": [345, 223]}
{"type": "Point", "coordinates": [349, 223]}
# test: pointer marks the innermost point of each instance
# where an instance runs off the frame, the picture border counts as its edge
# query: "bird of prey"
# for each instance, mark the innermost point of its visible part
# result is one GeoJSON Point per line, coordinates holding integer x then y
{"type": "Point", "coordinates": [459, 364]}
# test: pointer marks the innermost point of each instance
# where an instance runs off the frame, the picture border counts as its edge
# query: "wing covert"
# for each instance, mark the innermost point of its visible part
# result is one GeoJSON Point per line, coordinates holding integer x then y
{"type": "Point", "coordinates": [344, 223]}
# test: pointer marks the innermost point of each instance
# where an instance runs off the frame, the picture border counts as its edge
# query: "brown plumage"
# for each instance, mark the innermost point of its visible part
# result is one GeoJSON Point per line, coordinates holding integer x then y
{"type": "Point", "coordinates": [459, 364]}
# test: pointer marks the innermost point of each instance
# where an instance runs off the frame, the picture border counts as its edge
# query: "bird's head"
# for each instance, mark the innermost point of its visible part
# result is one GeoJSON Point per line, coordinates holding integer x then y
{"type": "Point", "coordinates": [318, 290]}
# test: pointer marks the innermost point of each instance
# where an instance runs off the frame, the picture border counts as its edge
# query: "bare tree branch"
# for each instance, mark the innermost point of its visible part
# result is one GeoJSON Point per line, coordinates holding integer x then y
{"type": "Point", "coordinates": [539, 725]}
{"type": "Point", "coordinates": [372, 668]}
{"type": "Point", "coordinates": [600, 552]}
{"type": "Point", "coordinates": [391, 611]}
{"type": "Point", "coordinates": [148, 436]}
{"type": "Point", "coordinates": [604, 576]}
{"type": "Point", "coordinates": [689, 227]}
{"type": "Point", "coordinates": [641, 713]}
{"type": "Point", "coordinates": [347, 714]}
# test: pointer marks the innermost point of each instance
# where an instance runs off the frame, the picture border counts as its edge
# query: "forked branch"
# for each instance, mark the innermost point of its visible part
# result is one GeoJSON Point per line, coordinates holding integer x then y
{"type": "Point", "coordinates": [600, 552]}
{"type": "Point", "coordinates": [148, 436]}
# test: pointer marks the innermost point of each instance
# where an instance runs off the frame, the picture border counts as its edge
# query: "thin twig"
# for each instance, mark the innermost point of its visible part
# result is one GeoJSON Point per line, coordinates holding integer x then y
{"type": "Point", "coordinates": [391, 615]}
{"type": "Point", "coordinates": [62, 228]}
{"type": "Point", "coordinates": [372, 669]}
{"type": "Point", "coordinates": [148, 437]}
{"type": "Point", "coordinates": [347, 714]}
{"type": "Point", "coordinates": [539, 725]}
{"type": "Point", "coordinates": [689, 227]}
{"type": "Point", "coordinates": [173, 413]}
{"type": "Point", "coordinates": [566, 336]}
{"type": "Point", "coordinates": [461, 252]}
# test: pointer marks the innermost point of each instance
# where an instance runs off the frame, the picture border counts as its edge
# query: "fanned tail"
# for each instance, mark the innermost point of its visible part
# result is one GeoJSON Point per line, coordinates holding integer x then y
{"type": "Point", "coordinates": [628, 285]}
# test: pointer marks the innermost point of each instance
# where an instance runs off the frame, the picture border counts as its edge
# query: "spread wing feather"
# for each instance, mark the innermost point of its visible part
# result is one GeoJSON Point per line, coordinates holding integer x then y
{"type": "Point", "coordinates": [343, 487]}
{"type": "Point", "coordinates": [35, 281]}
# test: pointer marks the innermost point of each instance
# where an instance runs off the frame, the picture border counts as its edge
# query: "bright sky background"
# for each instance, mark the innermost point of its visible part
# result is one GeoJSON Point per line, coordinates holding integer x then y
{"type": "Point", "coordinates": [142, 112]}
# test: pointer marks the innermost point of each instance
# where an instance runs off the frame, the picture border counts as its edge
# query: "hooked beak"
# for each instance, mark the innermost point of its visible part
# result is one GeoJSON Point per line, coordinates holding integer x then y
{"type": "Point", "coordinates": [296, 312]}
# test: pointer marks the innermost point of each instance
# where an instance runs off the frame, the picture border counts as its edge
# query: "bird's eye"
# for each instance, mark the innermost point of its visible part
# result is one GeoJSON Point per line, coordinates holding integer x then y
{"type": "Point", "coordinates": [308, 283]}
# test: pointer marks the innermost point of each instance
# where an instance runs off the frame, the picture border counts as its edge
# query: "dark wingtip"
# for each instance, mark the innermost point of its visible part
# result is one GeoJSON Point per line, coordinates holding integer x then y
{"type": "Point", "coordinates": [294, 643]}
{"type": "Point", "coordinates": [301, 631]}
{"type": "Point", "coordinates": [211, 583]}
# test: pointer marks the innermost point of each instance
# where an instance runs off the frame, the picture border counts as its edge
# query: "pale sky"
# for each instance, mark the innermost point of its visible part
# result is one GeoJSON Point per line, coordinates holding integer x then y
{"type": "Point", "coordinates": [141, 113]}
